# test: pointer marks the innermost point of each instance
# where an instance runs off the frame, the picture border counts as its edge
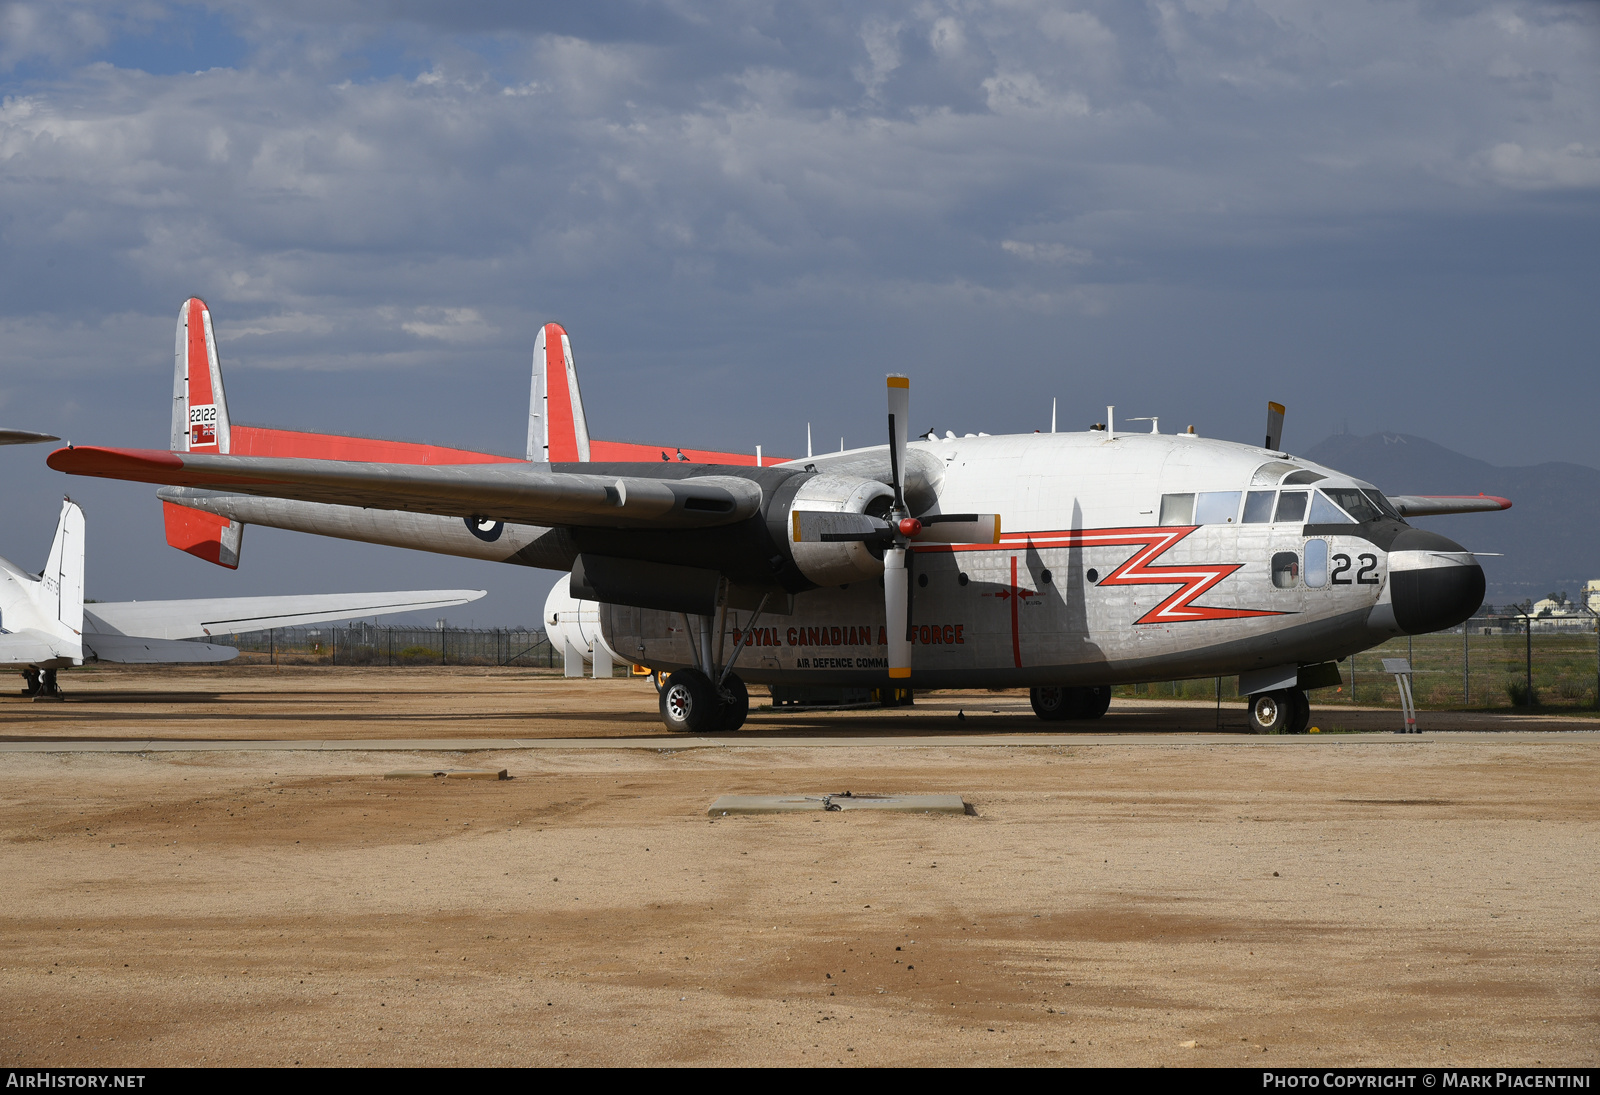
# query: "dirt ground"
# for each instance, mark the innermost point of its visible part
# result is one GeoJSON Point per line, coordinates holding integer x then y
{"type": "Point", "coordinates": [1181, 900]}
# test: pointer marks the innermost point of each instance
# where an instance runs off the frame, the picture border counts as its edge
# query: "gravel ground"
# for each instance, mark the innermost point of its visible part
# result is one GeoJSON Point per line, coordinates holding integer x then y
{"type": "Point", "coordinates": [1177, 900]}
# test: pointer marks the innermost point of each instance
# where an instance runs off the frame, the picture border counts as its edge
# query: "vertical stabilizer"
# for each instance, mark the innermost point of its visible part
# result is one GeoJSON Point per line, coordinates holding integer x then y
{"type": "Point", "coordinates": [557, 429]}
{"type": "Point", "coordinates": [58, 596]}
{"type": "Point", "coordinates": [199, 409]}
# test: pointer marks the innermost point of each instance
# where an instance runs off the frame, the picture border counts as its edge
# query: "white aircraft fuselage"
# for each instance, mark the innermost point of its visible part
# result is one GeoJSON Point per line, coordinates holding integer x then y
{"type": "Point", "coordinates": [1088, 586]}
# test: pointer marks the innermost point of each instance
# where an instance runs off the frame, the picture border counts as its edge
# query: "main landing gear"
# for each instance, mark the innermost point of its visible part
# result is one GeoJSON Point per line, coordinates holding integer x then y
{"type": "Point", "coordinates": [708, 697]}
{"type": "Point", "coordinates": [691, 704]}
{"type": "Point", "coordinates": [1285, 711]}
{"type": "Point", "coordinates": [1078, 704]}
{"type": "Point", "coordinates": [42, 684]}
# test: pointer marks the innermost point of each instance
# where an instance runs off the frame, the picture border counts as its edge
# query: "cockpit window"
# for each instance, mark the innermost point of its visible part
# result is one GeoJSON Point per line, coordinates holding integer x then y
{"type": "Point", "coordinates": [1177, 509]}
{"type": "Point", "coordinates": [1216, 507]}
{"type": "Point", "coordinates": [1291, 507]}
{"type": "Point", "coordinates": [1377, 498]}
{"type": "Point", "coordinates": [1302, 476]}
{"type": "Point", "coordinates": [1267, 475]}
{"type": "Point", "coordinates": [1355, 503]}
{"type": "Point", "coordinates": [1258, 507]}
{"type": "Point", "coordinates": [1324, 512]}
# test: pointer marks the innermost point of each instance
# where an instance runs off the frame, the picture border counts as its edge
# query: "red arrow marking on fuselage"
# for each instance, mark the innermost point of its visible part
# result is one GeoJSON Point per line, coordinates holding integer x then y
{"type": "Point", "coordinates": [1193, 579]}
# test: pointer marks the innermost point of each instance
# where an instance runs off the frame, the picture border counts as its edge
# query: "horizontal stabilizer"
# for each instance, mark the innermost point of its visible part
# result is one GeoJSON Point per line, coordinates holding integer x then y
{"type": "Point", "coordinates": [231, 615]}
{"type": "Point", "coordinates": [516, 493]}
{"type": "Point", "coordinates": [139, 650]}
{"type": "Point", "coordinates": [204, 535]}
{"type": "Point", "coordinates": [38, 648]}
{"type": "Point", "coordinates": [1430, 505]}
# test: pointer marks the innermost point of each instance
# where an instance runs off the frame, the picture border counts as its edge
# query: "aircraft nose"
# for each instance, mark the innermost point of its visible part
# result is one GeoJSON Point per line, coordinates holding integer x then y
{"type": "Point", "coordinates": [1434, 582]}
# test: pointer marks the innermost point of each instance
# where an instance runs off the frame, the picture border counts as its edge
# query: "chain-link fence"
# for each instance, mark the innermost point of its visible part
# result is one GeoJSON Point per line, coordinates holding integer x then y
{"type": "Point", "coordinates": [361, 644]}
{"type": "Point", "coordinates": [1491, 662]}
{"type": "Point", "coordinates": [1494, 661]}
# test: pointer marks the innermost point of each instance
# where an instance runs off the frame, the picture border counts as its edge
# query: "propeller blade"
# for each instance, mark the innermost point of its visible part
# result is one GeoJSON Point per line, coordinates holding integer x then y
{"type": "Point", "coordinates": [822, 527]}
{"type": "Point", "coordinates": [1274, 425]}
{"type": "Point", "coordinates": [899, 415]}
{"type": "Point", "coordinates": [959, 528]}
{"type": "Point", "coordinates": [897, 611]}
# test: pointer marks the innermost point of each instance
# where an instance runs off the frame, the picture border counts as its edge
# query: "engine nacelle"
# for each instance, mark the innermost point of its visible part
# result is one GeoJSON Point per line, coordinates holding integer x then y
{"type": "Point", "coordinates": [573, 627]}
{"type": "Point", "coordinates": [839, 562]}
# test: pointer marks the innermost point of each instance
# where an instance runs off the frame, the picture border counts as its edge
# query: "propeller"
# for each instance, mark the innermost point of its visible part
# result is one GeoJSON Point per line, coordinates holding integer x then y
{"type": "Point", "coordinates": [897, 533]}
{"type": "Point", "coordinates": [904, 529]}
{"type": "Point", "coordinates": [896, 578]}
{"type": "Point", "coordinates": [1274, 425]}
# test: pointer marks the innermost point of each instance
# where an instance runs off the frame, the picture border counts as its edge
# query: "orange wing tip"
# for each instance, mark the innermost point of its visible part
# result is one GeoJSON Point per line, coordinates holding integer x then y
{"type": "Point", "coordinates": [1505, 503]}
{"type": "Point", "coordinates": [899, 381]}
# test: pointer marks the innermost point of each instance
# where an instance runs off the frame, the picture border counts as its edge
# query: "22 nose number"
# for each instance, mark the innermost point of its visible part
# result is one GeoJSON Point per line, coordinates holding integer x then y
{"type": "Point", "coordinates": [1365, 576]}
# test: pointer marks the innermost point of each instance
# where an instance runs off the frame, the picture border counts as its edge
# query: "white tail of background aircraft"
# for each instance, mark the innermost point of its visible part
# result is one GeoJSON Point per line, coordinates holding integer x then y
{"type": "Point", "coordinates": [42, 615]}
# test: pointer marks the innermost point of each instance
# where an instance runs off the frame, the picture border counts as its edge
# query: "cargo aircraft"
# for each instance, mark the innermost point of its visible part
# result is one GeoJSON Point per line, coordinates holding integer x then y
{"type": "Point", "coordinates": [1064, 563]}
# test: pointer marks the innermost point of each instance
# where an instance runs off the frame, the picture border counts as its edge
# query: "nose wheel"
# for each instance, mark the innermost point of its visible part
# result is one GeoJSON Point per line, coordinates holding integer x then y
{"type": "Point", "coordinates": [1285, 711]}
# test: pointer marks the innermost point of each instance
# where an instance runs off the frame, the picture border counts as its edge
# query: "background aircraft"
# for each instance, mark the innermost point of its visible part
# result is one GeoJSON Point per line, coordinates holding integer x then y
{"type": "Point", "coordinates": [1060, 562]}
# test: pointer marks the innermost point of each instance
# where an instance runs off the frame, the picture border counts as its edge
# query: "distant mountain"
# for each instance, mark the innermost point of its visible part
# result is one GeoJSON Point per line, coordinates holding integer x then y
{"type": "Point", "coordinates": [1550, 536]}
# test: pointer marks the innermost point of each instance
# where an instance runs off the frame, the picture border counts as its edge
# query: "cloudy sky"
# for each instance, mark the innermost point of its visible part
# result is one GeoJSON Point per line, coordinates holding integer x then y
{"type": "Point", "coordinates": [1385, 215]}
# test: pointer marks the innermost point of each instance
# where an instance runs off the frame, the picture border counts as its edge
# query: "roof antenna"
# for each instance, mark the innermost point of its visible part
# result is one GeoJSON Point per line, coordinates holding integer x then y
{"type": "Point", "coordinates": [1052, 414]}
{"type": "Point", "coordinates": [808, 441]}
{"type": "Point", "coordinates": [1111, 422]}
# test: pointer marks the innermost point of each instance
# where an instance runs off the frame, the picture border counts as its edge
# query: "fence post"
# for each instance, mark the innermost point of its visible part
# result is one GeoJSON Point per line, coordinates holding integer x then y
{"type": "Point", "coordinates": [1527, 631]}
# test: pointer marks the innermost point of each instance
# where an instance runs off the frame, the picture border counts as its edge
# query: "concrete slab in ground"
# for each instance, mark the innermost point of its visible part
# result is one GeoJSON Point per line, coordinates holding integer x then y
{"type": "Point", "coordinates": [740, 805]}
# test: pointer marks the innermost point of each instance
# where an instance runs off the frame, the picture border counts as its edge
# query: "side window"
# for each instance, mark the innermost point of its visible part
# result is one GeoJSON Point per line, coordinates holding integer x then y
{"type": "Point", "coordinates": [1286, 569]}
{"type": "Point", "coordinates": [1217, 507]}
{"type": "Point", "coordinates": [1258, 507]}
{"type": "Point", "coordinates": [1177, 509]}
{"type": "Point", "coordinates": [1291, 507]}
{"type": "Point", "coordinates": [1316, 563]}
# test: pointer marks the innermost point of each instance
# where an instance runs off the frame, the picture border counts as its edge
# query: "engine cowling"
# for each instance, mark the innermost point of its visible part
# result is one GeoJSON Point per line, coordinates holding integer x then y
{"type": "Point", "coordinates": [832, 563]}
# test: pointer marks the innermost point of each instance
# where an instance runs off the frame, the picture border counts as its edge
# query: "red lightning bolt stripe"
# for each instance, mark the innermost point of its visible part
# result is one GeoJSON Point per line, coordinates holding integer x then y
{"type": "Point", "coordinates": [1193, 579]}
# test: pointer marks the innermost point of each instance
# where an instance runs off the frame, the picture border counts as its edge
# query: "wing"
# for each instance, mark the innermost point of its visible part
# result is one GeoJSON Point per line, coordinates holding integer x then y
{"type": "Point", "coordinates": [137, 650]}
{"type": "Point", "coordinates": [229, 615]}
{"type": "Point", "coordinates": [519, 493]}
{"type": "Point", "coordinates": [1429, 505]}
{"type": "Point", "coordinates": [24, 437]}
